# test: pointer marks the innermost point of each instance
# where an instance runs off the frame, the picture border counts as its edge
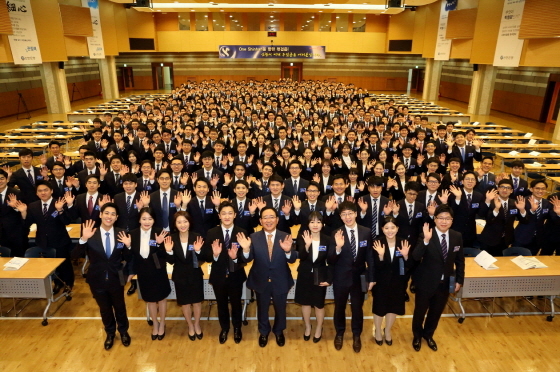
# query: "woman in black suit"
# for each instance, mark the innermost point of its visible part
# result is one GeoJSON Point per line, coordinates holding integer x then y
{"type": "Point", "coordinates": [391, 265]}
{"type": "Point", "coordinates": [312, 249]}
{"type": "Point", "coordinates": [396, 185]}
{"type": "Point", "coordinates": [149, 265]}
{"type": "Point", "coordinates": [184, 254]}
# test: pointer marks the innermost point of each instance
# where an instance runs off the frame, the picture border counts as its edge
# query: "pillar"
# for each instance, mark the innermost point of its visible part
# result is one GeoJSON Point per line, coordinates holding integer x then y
{"type": "Point", "coordinates": [108, 75]}
{"type": "Point", "coordinates": [432, 79]}
{"type": "Point", "coordinates": [55, 88]}
{"type": "Point", "coordinates": [482, 90]}
{"type": "Point", "coordinates": [556, 134]}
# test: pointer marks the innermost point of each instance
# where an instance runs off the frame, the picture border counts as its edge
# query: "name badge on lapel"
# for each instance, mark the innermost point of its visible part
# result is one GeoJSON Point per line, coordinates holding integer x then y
{"type": "Point", "coordinates": [491, 183]}
{"type": "Point", "coordinates": [419, 215]}
{"type": "Point", "coordinates": [172, 205]}
{"type": "Point", "coordinates": [66, 189]}
{"type": "Point", "coordinates": [191, 162]}
{"type": "Point", "coordinates": [120, 245]}
{"type": "Point", "coordinates": [398, 254]}
{"type": "Point", "coordinates": [148, 187]}
{"type": "Point", "coordinates": [246, 213]}
{"type": "Point", "coordinates": [474, 205]}
{"type": "Point", "coordinates": [97, 207]}
{"type": "Point", "coordinates": [521, 189]}
{"type": "Point", "coordinates": [302, 189]}
{"type": "Point", "coordinates": [209, 211]}
{"type": "Point", "coordinates": [235, 245]}
{"type": "Point", "coordinates": [470, 154]}
{"type": "Point", "coordinates": [329, 187]}
{"type": "Point", "coordinates": [412, 166]}
{"type": "Point", "coordinates": [172, 151]}
{"type": "Point", "coordinates": [513, 211]}
{"type": "Point", "coordinates": [54, 214]}
{"type": "Point", "coordinates": [153, 243]}
{"type": "Point", "coordinates": [456, 248]}
{"type": "Point", "coordinates": [191, 247]}
{"type": "Point", "coordinates": [545, 210]}
{"type": "Point", "coordinates": [322, 248]}
{"type": "Point", "coordinates": [363, 243]}
{"type": "Point", "coordinates": [39, 178]}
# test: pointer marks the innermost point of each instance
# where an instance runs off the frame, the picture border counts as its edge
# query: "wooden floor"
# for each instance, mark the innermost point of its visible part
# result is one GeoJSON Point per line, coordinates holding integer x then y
{"type": "Point", "coordinates": [73, 340]}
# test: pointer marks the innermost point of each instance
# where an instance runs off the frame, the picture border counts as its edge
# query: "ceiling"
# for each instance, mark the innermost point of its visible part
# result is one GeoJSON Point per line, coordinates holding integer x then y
{"type": "Point", "coordinates": [281, 6]}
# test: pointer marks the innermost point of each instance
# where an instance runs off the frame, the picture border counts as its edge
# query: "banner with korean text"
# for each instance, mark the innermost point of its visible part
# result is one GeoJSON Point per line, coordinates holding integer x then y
{"type": "Point", "coordinates": [270, 51]}
{"type": "Point", "coordinates": [23, 43]}
{"type": "Point", "coordinates": [95, 42]}
{"type": "Point", "coordinates": [509, 46]}
{"type": "Point", "coordinates": [443, 45]}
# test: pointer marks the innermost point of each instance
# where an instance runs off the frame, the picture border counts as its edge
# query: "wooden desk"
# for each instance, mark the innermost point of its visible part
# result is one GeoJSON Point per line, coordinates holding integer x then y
{"type": "Point", "coordinates": [75, 233]}
{"type": "Point", "coordinates": [30, 145]}
{"type": "Point", "coordinates": [510, 281]}
{"type": "Point", "coordinates": [62, 131]}
{"type": "Point", "coordinates": [503, 156]}
{"type": "Point", "coordinates": [33, 280]}
{"type": "Point", "coordinates": [521, 146]}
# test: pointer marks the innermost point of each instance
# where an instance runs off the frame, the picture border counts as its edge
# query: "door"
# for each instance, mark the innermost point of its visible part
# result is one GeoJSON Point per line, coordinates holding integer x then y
{"type": "Point", "coordinates": [554, 107]}
{"type": "Point", "coordinates": [417, 81]}
{"type": "Point", "coordinates": [292, 70]}
{"type": "Point", "coordinates": [127, 78]}
{"type": "Point", "coordinates": [162, 75]}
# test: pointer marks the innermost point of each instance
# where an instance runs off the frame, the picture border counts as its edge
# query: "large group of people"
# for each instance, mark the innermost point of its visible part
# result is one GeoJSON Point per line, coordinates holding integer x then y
{"type": "Point", "coordinates": [225, 172]}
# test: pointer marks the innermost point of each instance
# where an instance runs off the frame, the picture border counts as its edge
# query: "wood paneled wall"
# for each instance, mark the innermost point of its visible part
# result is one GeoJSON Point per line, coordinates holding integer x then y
{"type": "Point", "coordinates": [540, 19]}
{"type": "Point", "coordinates": [76, 20]}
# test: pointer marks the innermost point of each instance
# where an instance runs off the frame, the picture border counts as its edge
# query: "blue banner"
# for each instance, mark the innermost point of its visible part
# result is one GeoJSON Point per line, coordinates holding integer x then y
{"type": "Point", "coordinates": [269, 51]}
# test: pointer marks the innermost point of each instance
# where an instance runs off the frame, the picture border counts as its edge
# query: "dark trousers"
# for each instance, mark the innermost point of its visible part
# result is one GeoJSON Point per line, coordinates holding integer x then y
{"type": "Point", "coordinates": [433, 304]}
{"type": "Point", "coordinates": [112, 308]}
{"type": "Point", "coordinates": [550, 247]}
{"type": "Point", "coordinates": [279, 303]}
{"type": "Point", "coordinates": [229, 291]}
{"type": "Point", "coordinates": [65, 270]}
{"type": "Point", "coordinates": [341, 294]}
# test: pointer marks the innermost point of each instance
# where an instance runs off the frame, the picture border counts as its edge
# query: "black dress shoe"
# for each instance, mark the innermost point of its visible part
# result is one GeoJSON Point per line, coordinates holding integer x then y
{"type": "Point", "coordinates": [263, 340]}
{"type": "Point", "coordinates": [431, 344]}
{"type": "Point", "coordinates": [406, 297]}
{"type": "Point", "coordinates": [357, 344]}
{"type": "Point", "coordinates": [317, 339]}
{"type": "Point", "coordinates": [417, 343]}
{"type": "Point", "coordinates": [338, 342]}
{"type": "Point", "coordinates": [237, 335]}
{"type": "Point", "coordinates": [223, 337]}
{"type": "Point", "coordinates": [199, 335]}
{"type": "Point", "coordinates": [160, 337]}
{"type": "Point", "coordinates": [154, 337]}
{"type": "Point", "coordinates": [132, 288]}
{"type": "Point", "coordinates": [388, 342]}
{"type": "Point", "coordinates": [378, 342]}
{"type": "Point", "coordinates": [192, 338]}
{"type": "Point", "coordinates": [125, 338]}
{"type": "Point", "coordinates": [306, 338]}
{"type": "Point", "coordinates": [109, 342]}
{"type": "Point", "coordinates": [280, 339]}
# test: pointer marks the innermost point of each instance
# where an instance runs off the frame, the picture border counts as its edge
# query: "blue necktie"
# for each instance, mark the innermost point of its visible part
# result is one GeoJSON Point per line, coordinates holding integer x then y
{"type": "Point", "coordinates": [107, 245]}
{"type": "Point", "coordinates": [165, 210]}
{"type": "Point", "coordinates": [227, 240]}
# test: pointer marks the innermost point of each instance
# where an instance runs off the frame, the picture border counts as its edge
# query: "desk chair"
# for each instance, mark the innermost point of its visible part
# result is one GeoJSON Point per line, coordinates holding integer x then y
{"type": "Point", "coordinates": [5, 252]}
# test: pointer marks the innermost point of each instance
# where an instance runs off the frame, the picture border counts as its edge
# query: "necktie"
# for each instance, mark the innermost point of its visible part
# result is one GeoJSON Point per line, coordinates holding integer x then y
{"type": "Point", "coordinates": [90, 205]}
{"type": "Point", "coordinates": [444, 246]}
{"type": "Point", "coordinates": [312, 207]}
{"type": "Point", "coordinates": [353, 244]}
{"type": "Point", "coordinates": [539, 211]}
{"type": "Point", "coordinates": [515, 183]}
{"type": "Point", "coordinates": [167, 148]}
{"type": "Point", "coordinates": [60, 186]}
{"type": "Point", "coordinates": [339, 200]}
{"type": "Point", "coordinates": [410, 214]}
{"type": "Point", "coordinates": [469, 200]}
{"type": "Point", "coordinates": [107, 245]}
{"type": "Point", "coordinates": [421, 146]}
{"type": "Point", "coordinates": [45, 209]}
{"type": "Point", "coordinates": [97, 145]}
{"type": "Point", "coordinates": [157, 168]}
{"type": "Point", "coordinates": [295, 187]}
{"type": "Point", "coordinates": [270, 245]}
{"type": "Point", "coordinates": [117, 178]}
{"type": "Point", "coordinates": [373, 220]}
{"type": "Point", "coordinates": [264, 185]}
{"type": "Point", "coordinates": [165, 210]}
{"type": "Point", "coordinates": [276, 203]}
{"type": "Point", "coordinates": [145, 184]}
{"type": "Point", "coordinates": [463, 153]}
{"type": "Point", "coordinates": [30, 177]}
{"type": "Point", "coordinates": [240, 210]}
{"type": "Point", "coordinates": [208, 176]}
{"type": "Point", "coordinates": [504, 205]}
{"type": "Point", "coordinates": [227, 240]}
{"type": "Point", "coordinates": [128, 201]}
{"type": "Point", "coordinates": [176, 184]}
{"type": "Point", "coordinates": [217, 161]}
{"type": "Point", "coordinates": [485, 180]}
{"type": "Point", "coordinates": [202, 206]}
{"type": "Point", "coordinates": [429, 200]}
{"type": "Point", "coordinates": [406, 163]}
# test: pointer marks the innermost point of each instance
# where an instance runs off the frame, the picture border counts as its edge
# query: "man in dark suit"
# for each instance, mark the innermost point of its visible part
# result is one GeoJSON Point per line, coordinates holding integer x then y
{"type": "Point", "coordinates": [441, 270]}
{"type": "Point", "coordinates": [90, 169]}
{"type": "Point", "coordinates": [106, 251]}
{"type": "Point", "coordinates": [13, 234]}
{"type": "Point", "coordinates": [500, 212]}
{"type": "Point", "coordinates": [270, 275]}
{"type": "Point", "coordinates": [282, 140]}
{"type": "Point", "coordinates": [202, 207]}
{"type": "Point", "coordinates": [279, 202]}
{"type": "Point", "coordinates": [58, 181]}
{"type": "Point", "coordinates": [466, 154]}
{"type": "Point", "coordinates": [228, 274]}
{"type": "Point", "coordinates": [56, 155]}
{"type": "Point", "coordinates": [245, 208]}
{"type": "Point", "coordinates": [169, 146]}
{"type": "Point", "coordinates": [127, 203]}
{"type": "Point", "coordinates": [372, 206]}
{"type": "Point", "coordinates": [162, 201]}
{"type": "Point", "coordinates": [208, 170]}
{"type": "Point", "coordinates": [51, 217]}
{"type": "Point", "coordinates": [97, 145]}
{"type": "Point", "coordinates": [295, 185]}
{"type": "Point", "coordinates": [486, 179]}
{"type": "Point", "coordinates": [426, 197]}
{"type": "Point", "coordinates": [26, 177]}
{"type": "Point", "coordinates": [147, 181]}
{"type": "Point", "coordinates": [411, 214]}
{"type": "Point", "coordinates": [302, 209]}
{"type": "Point", "coordinates": [111, 183]}
{"type": "Point", "coordinates": [466, 204]}
{"type": "Point", "coordinates": [349, 251]}
{"type": "Point", "coordinates": [520, 186]}
{"type": "Point", "coordinates": [88, 204]}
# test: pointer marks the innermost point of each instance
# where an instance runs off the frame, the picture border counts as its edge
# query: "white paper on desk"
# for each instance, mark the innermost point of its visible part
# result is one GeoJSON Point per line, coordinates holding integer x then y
{"type": "Point", "coordinates": [33, 227]}
{"type": "Point", "coordinates": [459, 122]}
{"type": "Point", "coordinates": [534, 153]}
{"type": "Point", "coordinates": [532, 142]}
{"type": "Point", "coordinates": [554, 153]}
{"type": "Point", "coordinates": [536, 164]}
{"type": "Point", "coordinates": [68, 228]}
{"type": "Point", "coordinates": [90, 121]}
{"type": "Point", "coordinates": [15, 263]}
{"type": "Point", "coordinates": [480, 222]}
{"type": "Point", "coordinates": [486, 260]}
{"type": "Point", "coordinates": [528, 263]}
{"type": "Point", "coordinates": [513, 153]}
{"type": "Point", "coordinates": [475, 123]}
{"type": "Point", "coordinates": [528, 135]}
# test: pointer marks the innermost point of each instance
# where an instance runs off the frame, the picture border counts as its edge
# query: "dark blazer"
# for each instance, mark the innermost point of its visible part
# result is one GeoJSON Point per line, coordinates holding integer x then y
{"type": "Point", "coordinates": [27, 189]}
{"type": "Point", "coordinates": [346, 270]}
{"type": "Point", "coordinates": [470, 155]}
{"type": "Point", "coordinates": [265, 270]}
{"type": "Point", "coordinates": [422, 198]}
{"type": "Point", "coordinates": [533, 226]}
{"type": "Point", "coordinates": [110, 185]}
{"type": "Point", "coordinates": [103, 271]}
{"type": "Point", "coordinates": [128, 219]}
{"type": "Point", "coordinates": [244, 220]}
{"type": "Point", "coordinates": [303, 217]}
{"type": "Point", "coordinates": [155, 204]}
{"type": "Point", "coordinates": [366, 220]}
{"type": "Point", "coordinates": [388, 269]}
{"type": "Point", "coordinates": [500, 225]}
{"type": "Point", "coordinates": [183, 265]}
{"type": "Point", "coordinates": [151, 187]}
{"type": "Point", "coordinates": [522, 188]}
{"type": "Point", "coordinates": [51, 230]}
{"type": "Point", "coordinates": [432, 266]}
{"type": "Point", "coordinates": [202, 221]}
{"type": "Point", "coordinates": [463, 216]}
{"type": "Point", "coordinates": [80, 209]}
{"type": "Point", "coordinates": [483, 187]}
{"type": "Point", "coordinates": [12, 229]}
{"type": "Point", "coordinates": [289, 188]}
{"type": "Point", "coordinates": [82, 175]}
{"type": "Point", "coordinates": [411, 230]}
{"type": "Point", "coordinates": [224, 267]}
{"type": "Point", "coordinates": [283, 223]}
{"type": "Point", "coordinates": [57, 192]}
{"type": "Point", "coordinates": [306, 263]}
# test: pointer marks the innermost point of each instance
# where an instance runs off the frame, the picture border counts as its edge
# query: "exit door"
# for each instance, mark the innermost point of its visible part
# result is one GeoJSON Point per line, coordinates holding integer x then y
{"type": "Point", "coordinates": [127, 78]}
{"type": "Point", "coordinates": [162, 75]}
{"type": "Point", "coordinates": [292, 70]}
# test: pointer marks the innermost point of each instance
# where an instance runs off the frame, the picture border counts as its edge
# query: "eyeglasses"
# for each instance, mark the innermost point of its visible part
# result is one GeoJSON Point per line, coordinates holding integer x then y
{"type": "Point", "coordinates": [347, 214]}
{"type": "Point", "coordinates": [433, 181]}
{"type": "Point", "coordinates": [412, 194]}
{"type": "Point", "coordinates": [505, 188]}
{"type": "Point", "coordinates": [446, 219]}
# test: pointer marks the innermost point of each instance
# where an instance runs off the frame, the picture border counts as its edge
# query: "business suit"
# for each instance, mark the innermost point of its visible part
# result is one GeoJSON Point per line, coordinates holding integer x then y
{"type": "Point", "coordinates": [169, 148]}
{"type": "Point", "coordinates": [270, 278]}
{"type": "Point", "coordinates": [307, 293]}
{"type": "Point", "coordinates": [471, 154]}
{"type": "Point", "coordinates": [58, 191]}
{"type": "Point", "coordinates": [51, 233]}
{"type": "Point", "coordinates": [431, 278]}
{"type": "Point", "coordinates": [243, 219]}
{"type": "Point", "coordinates": [156, 205]}
{"type": "Point", "coordinates": [483, 186]}
{"type": "Point", "coordinates": [551, 232]}
{"type": "Point", "coordinates": [346, 278]}
{"type": "Point", "coordinates": [530, 233]}
{"type": "Point", "coordinates": [300, 192]}
{"type": "Point", "coordinates": [81, 210]}
{"type": "Point", "coordinates": [498, 232]}
{"type": "Point", "coordinates": [227, 277]}
{"type": "Point", "coordinates": [110, 185]}
{"type": "Point", "coordinates": [13, 232]}
{"type": "Point", "coordinates": [143, 186]}
{"type": "Point", "coordinates": [302, 218]}
{"type": "Point", "coordinates": [187, 274]}
{"type": "Point", "coordinates": [27, 188]}
{"type": "Point", "coordinates": [410, 230]}
{"type": "Point", "coordinates": [103, 279]}
{"type": "Point", "coordinates": [366, 220]}
{"type": "Point", "coordinates": [128, 218]}
{"type": "Point", "coordinates": [285, 222]}
{"type": "Point", "coordinates": [465, 216]}
{"type": "Point", "coordinates": [82, 176]}
{"type": "Point", "coordinates": [521, 189]}
{"type": "Point", "coordinates": [202, 220]}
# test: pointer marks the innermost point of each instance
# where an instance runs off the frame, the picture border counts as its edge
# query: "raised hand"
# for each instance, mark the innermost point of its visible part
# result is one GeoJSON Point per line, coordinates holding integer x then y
{"type": "Point", "coordinates": [161, 236]}
{"type": "Point", "coordinates": [287, 207]}
{"type": "Point", "coordinates": [124, 238]}
{"type": "Point", "coordinates": [363, 205]}
{"type": "Point", "coordinates": [198, 243]}
{"type": "Point", "coordinates": [216, 247]}
{"type": "Point", "coordinates": [444, 196]}
{"type": "Point", "coordinates": [216, 198]}
{"type": "Point", "coordinates": [396, 208]}
{"type": "Point", "coordinates": [520, 204]}
{"type": "Point", "coordinates": [184, 179]}
{"type": "Point", "coordinates": [456, 191]}
{"type": "Point", "coordinates": [59, 204]}
{"type": "Point", "coordinates": [427, 232]}
{"type": "Point", "coordinates": [286, 244]}
{"type": "Point", "coordinates": [316, 178]}
{"type": "Point", "coordinates": [168, 243]}
{"type": "Point", "coordinates": [103, 200]}
{"type": "Point", "coordinates": [387, 208]}
{"type": "Point", "coordinates": [556, 203]}
{"type": "Point", "coordinates": [379, 248]}
{"type": "Point", "coordinates": [307, 239]}
{"type": "Point", "coordinates": [432, 207]}
{"type": "Point", "coordinates": [405, 248]}
{"type": "Point", "coordinates": [244, 242]}
{"type": "Point", "coordinates": [69, 198]}
{"type": "Point", "coordinates": [491, 195]}
{"type": "Point", "coordinates": [339, 240]}
{"type": "Point", "coordinates": [88, 229]}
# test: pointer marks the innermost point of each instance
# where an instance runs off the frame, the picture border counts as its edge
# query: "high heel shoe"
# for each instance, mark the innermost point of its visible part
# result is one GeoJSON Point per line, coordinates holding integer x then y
{"type": "Point", "coordinates": [154, 337]}
{"type": "Point", "coordinates": [306, 338]}
{"type": "Point", "coordinates": [388, 342]}
{"type": "Point", "coordinates": [199, 335]}
{"type": "Point", "coordinates": [378, 342]}
{"type": "Point", "coordinates": [160, 337]}
{"type": "Point", "coordinates": [317, 339]}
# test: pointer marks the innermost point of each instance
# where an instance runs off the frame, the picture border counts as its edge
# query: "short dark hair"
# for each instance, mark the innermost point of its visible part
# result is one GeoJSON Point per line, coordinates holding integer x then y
{"type": "Point", "coordinates": [517, 163]}
{"type": "Point", "coordinates": [268, 209]}
{"type": "Point", "coordinates": [181, 214]}
{"type": "Point", "coordinates": [347, 206]}
{"type": "Point", "coordinates": [225, 204]}
{"type": "Point", "coordinates": [148, 210]}
{"type": "Point", "coordinates": [43, 183]}
{"type": "Point", "coordinates": [25, 152]}
{"type": "Point", "coordinates": [443, 208]}
{"type": "Point", "coordinates": [412, 185]}
{"type": "Point", "coordinates": [109, 205]}
{"type": "Point", "coordinates": [129, 177]}
{"type": "Point", "coordinates": [537, 181]}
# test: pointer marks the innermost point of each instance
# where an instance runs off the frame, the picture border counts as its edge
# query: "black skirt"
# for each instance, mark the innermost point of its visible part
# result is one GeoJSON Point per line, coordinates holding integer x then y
{"type": "Point", "coordinates": [307, 293]}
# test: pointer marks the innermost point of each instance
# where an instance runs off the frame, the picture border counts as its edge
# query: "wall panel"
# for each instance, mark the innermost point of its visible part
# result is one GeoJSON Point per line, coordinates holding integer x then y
{"type": "Point", "coordinates": [48, 24]}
